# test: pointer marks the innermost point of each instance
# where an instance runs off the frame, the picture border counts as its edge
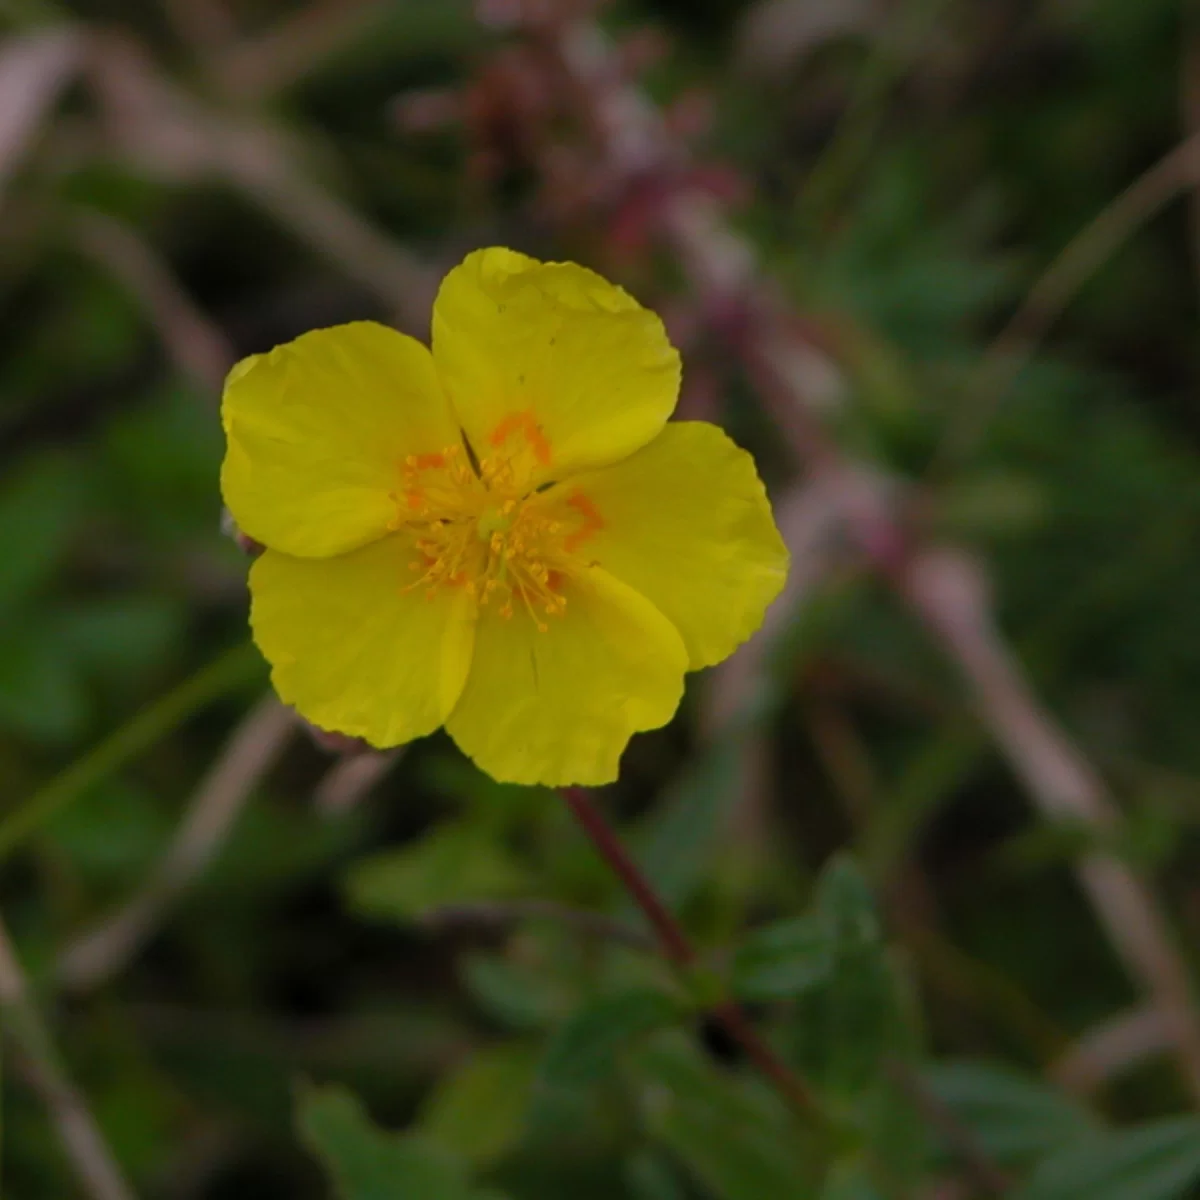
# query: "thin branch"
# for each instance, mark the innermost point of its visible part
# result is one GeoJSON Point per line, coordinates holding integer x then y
{"type": "Point", "coordinates": [248, 755]}
{"type": "Point", "coordinates": [949, 592]}
{"type": "Point", "coordinates": [92, 1161]}
{"type": "Point", "coordinates": [1110, 1048]}
{"type": "Point", "coordinates": [334, 230]}
{"type": "Point", "coordinates": [170, 134]}
{"type": "Point", "coordinates": [350, 778]}
{"type": "Point", "coordinates": [1058, 285]}
{"type": "Point", "coordinates": [678, 950]}
{"type": "Point", "coordinates": [230, 670]}
{"type": "Point", "coordinates": [1189, 104]}
{"type": "Point", "coordinates": [35, 68]}
{"type": "Point", "coordinates": [196, 346]}
{"type": "Point", "coordinates": [256, 68]}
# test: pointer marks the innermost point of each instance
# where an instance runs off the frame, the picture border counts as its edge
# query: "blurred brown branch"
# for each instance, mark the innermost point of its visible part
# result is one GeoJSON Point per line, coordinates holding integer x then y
{"type": "Point", "coordinates": [350, 778]}
{"type": "Point", "coordinates": [199, 350]}
{"type": "Point", "coordinates": [34, 70]}
{"type": "Point", "coordinates": [259, 67]}
{"type": "Point", "coordinates": [250, 752]}
{"type": "Point", "coordinates": [1109, 1048]}
{"type": "Point", "coordinates": [1189, 106]}
{"type": "Point", "coordinates": [168, 134]}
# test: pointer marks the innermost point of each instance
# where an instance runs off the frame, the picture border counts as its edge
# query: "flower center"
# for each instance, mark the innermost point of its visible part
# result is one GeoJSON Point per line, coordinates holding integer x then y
{"type": "Point", "coordinates": [479, 530]}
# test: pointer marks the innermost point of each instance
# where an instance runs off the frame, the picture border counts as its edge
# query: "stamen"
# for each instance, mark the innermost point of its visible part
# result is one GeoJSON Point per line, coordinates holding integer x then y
{"type": "Point", "coordinates": [476, 525]}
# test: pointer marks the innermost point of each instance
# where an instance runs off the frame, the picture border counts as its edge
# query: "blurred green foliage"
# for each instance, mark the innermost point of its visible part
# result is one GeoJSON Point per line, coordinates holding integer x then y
{"type": "Point", "coordinates": [434, 990]}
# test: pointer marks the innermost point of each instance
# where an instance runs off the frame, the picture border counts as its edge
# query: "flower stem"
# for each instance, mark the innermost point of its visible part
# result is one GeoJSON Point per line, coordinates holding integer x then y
{"type": "Point", "coordinates": [679, 950]}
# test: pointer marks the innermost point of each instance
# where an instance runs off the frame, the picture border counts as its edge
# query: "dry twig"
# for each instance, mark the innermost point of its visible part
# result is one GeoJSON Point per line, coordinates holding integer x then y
{"type": "Point", "coordinates": [1057, 286]}
{"type": "Point", "coordinates": [34, 70]}
{"type": "Point", "coordinates": [1107, 1049]}
{"type": "Point", "coordinates": [198, 349]}
{"type": "Point", "coordinates": [351, 778]}
{"type": "Point", "coordinates": [252, 750]}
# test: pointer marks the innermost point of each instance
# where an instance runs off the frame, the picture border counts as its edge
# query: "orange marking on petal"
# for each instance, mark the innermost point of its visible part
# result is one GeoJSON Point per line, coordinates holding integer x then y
{"type": "Point", "coordinates": [593, 522]}
{"type": "Point", "coordinates": [425, 462]}
{"type": "Point", "coordinates": [526, 424]}
{"type": "Point", "coordinates": [415, 498]}
{"type": "Point", "coordinates": [509, 425]}
{"type": "Point", "coordinates": [539, 442]}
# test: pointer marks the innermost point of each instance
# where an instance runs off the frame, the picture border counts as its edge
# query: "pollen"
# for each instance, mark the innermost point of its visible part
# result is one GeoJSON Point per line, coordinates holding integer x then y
{"type": "Point", "coordinates": [478, 527]}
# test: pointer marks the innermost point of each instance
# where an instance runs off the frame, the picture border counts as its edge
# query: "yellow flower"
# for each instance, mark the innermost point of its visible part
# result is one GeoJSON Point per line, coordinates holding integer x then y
{"type": "Point", "coordinates": [503, 536]}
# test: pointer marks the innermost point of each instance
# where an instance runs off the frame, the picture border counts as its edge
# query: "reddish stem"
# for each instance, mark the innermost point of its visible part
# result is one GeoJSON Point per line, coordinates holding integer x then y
{"type": "Point", "coordinates": [674, 941]}
{"type": "Point", "coordinates": [679, 950]}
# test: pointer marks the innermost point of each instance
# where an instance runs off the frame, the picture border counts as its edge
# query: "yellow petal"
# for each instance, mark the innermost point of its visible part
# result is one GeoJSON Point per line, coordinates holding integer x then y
{"type": "Point", "coordinates": [559, 707]}
{"type": "Point", "coordinates": [550, 366]}
{"type": "Point", "coordinates": [685, 521]}
{"type": "Point", "coordinates": [353, 651]}
{"type": "Point", "coordinates": [317, 433]}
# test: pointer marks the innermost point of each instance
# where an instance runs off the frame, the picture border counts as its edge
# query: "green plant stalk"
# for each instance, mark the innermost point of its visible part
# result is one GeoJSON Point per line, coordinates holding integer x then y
{"type": "Point", "coordinates": [230, 671]}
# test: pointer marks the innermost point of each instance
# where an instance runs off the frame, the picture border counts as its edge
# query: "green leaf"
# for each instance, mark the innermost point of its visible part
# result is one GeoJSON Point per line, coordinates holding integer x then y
{"type": "Point", "coordinates": [367, 1163]}
{"type": "Point", "coordinates": [1015, 1118]}
{"type": "Point", "coordinates": [782, 960]}
{"type": "Point", "coordinates": [514, 994]}
{"type": "Point", "coordinates": [583, 1050]}
{"type": "Point", "coordinates": [849, 1181]}
{"type": "Point", "coordinates": [650, 1176]}
{"type": "Point", "coordinates": [734, 1137]}
{"type": "Point", "coordinates": [454, 863]}
{"type": "Point", "coordinates": [675, 844]}
{"type": "Point", "coordinates": [846, 905]}
{"type": "Point", "coordinates": [844, 1028]}
{"type": "Point", "coordinates": [479, 1110]}
{"type": "Point", "coordinates": [1157, 1161]}
{"type": "Point", "coordinates": [993, 502]}
{"type": "Point", "coordinates": [163, 456]}
{"type": "Point", "coordinates": [41, 694]}
{"type": "Point", "coordinates": [118, 832]}
{"type": "Point", "coordinates": [122, 637]}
